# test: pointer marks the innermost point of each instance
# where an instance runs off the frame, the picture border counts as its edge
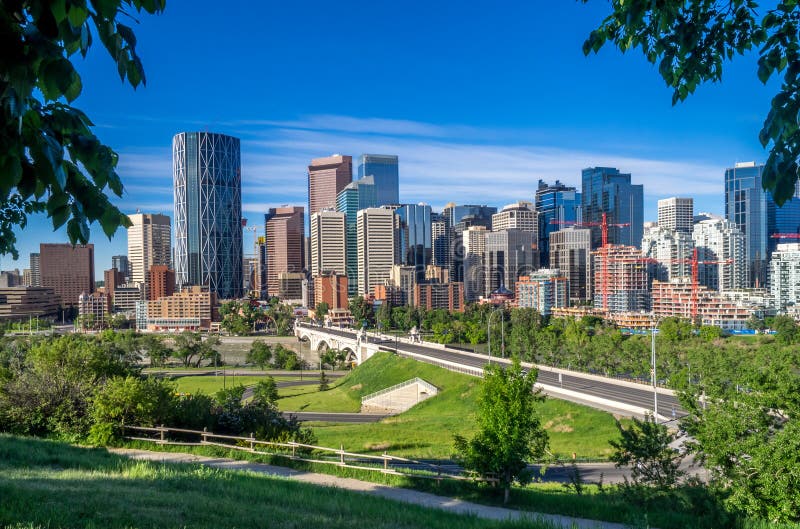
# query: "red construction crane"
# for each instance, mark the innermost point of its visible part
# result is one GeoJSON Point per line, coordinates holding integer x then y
{"type": "Point", "coordinates": [603, 224]}
{"type": "Point", "coordinates": [785, 236]}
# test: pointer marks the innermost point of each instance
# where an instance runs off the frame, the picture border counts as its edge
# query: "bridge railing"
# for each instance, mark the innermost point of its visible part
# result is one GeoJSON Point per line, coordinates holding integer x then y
{"type": "Point", "coordinates": [339, 457]}
{"type": "Point", "coordinates": [416, 380]}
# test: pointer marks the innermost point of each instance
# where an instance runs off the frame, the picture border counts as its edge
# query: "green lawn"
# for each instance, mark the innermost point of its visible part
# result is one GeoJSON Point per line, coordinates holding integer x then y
{"type": "Point", "coordinates": [55, 485]}
{"type": "Point", "coordinates": [210, 384]}
{"type": "Point", "coordinates": [427, 429]}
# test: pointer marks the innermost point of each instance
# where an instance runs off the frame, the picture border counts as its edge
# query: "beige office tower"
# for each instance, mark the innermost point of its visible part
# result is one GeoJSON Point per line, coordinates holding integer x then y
{"type": "Point", "coordinates": [571, 253]}
{"type": "Point", "coordinates": [676, 214]}
{"type": "Point", "coordinates": [283, 231]}
{"type": "Point", "coordinates": [375, 228]}
{"type": "Point", "coordinates": [519, 215]}
{"type": "Point", "coordinates": [328, 252]}
{"type": "Point", "coordinates": [326, 177]}
{"type": "Point", "coordinates": [474, 245]}
{"type": "Point", "coordinates": [149, 244]}
{"type": "Point", "coordinates": [68, 270]}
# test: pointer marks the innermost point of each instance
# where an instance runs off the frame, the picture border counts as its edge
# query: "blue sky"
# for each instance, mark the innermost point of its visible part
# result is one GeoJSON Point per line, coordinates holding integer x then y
{"type": "Point", "coordinates": [479, 100]}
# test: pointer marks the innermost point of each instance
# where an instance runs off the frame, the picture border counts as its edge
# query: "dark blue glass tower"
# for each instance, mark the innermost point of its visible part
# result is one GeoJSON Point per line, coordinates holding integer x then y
{"type": "Point", "coordinates": [354, 197]}
{"type": "Point", "coordinates": [754, 211]}
{"type": "Point", "coordinates": [416, 247]}
{"type": "Point", "coordinates": [606, 190]}
{"type": "Point", "coordinates": [555, 203]}
{"type": "Point", "coordinates": [384, 168]}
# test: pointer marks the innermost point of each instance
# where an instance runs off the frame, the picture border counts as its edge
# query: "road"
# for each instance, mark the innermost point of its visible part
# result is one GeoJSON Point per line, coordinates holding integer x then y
{"type": "Point", "coordinates": [306, 416]}
{"type": "Point", "coordinates": [633, 396]}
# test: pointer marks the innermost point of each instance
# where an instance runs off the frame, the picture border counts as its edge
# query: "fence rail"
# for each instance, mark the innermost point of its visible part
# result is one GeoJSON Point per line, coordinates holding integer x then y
{"type": "Point", "coordinates": [416, 380]}
{"type": "Point", "coordinates": [307, 453]}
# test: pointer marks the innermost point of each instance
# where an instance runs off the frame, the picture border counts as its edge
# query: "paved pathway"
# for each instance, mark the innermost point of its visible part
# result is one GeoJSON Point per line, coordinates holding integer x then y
{"type": "Point", "coordinates": [398, 494]}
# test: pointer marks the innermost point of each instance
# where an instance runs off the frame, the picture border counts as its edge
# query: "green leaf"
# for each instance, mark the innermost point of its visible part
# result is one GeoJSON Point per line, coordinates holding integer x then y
{"type": "Point", "coordinates": [77, 15]}
{"type": "Point", "coordinates": [56, 78]}
{"type": "Point", "coordinates": [75, 87]}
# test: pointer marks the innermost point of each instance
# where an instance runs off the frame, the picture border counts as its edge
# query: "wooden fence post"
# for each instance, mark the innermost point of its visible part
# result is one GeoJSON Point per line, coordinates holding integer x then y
{"type": "Point", "coordinates": [203, 436]}
{"type": "Point", "coordinates": [385, 461]}
{"type": "Point", "coordinates": [252, 438]}
{"type": "Point", "coordinates": [341, 454]}
{"type": "Point", "coordinates": [294, 446]}
{"type": "Point", "coordinates": [162, 433]}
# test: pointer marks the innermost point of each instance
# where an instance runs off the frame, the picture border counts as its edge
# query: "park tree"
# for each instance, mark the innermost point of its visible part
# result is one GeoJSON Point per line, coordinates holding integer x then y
{"type": "Point", "coordinates": [260, 354]}
{"type": "Point", "coordinates": [644, 446]}
{"type": "Point", "coordinates": [362, 312]}
{"type": "Point", "coordinates": [50, 159]}
{"type": "Point", "coordinates": [266, 391]}
{"type": "Point", "coordinates": [192, 349]}
{"type": "Point", "coordinates": [690, 41]}
{"type": "Point", "coordinates": [384, 316]}
{"type": "Point", "coordinates": [786, 330]}
{"type": "Point", "coordinates": [322, 310]}
{"type": "Point", "coordinates": [510, 433]}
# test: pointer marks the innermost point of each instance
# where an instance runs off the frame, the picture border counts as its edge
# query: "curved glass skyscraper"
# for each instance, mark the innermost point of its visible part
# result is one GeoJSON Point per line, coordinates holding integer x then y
{"type": "Point", "coordinates": [206, 172]}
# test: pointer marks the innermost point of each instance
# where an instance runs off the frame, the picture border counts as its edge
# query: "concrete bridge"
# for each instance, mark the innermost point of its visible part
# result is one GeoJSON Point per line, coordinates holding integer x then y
{"type": "Point", "coordinates": [610, 394]}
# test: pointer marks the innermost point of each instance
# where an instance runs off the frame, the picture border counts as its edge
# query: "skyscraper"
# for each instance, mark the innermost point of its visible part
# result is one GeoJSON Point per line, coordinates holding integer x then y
{"type": "Point", "coordinates": [121, 263]}
{"type": "Point", "coordinates": [676, 214]}
{"type": "Point", "coordinates": [384, 169]}
{"type": "Point", "coordinates": [36, 276]}
{"type": "Point", "coordinates": [508, 255]}
{"type": "Point", "coordinates": [416, 248]}
{"type": "Point", "coordinates": [519, 215]}
{"type": "Point", "coordinates": [459, 218]}
{"type": "Point", "coordinates": [571, 252]}
{"type": "Point", "coordinates": [474, 246]}
{"type": "Point", "coordinates": [149, 244]}
{"type": "Point", "coordinates": [721, 241]}
{"type": "Point", "coordinates": [328, 253]}
{"type": "Point", "coordinates": [376, 230]}
{"type": "Point", "coordinates": [326, 178]}
{"type": "Point", "coordinates": [755, 213]}
{"type": "Point", "coordinates": [68, 270]}
{"type": "Point", "coordinates": [440, 240]}
{"type": "Point", "coordinates": [206, 172]}
{"type": "Point", "coordinates": [354, 197]}
{"type": "Point", "coordinates": [555, 203]}
{"type": "Point", "coordinates": [283, 229]}
{"type": "Point", "coordinates": [784, 275]}
{"type": "Point", "coordinates": [606, 190]}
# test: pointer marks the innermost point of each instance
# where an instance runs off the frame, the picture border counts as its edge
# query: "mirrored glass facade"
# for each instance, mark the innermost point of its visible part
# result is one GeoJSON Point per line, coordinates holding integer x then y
{"type": "Point", "coordinates": [385, 170]}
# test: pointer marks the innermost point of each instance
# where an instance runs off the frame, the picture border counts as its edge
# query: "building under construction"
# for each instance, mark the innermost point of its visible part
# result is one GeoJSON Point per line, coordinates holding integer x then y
{"type": "Point", "coordinates": [678, 299]}
{"type": "Point", "coordinates": [621, 279]}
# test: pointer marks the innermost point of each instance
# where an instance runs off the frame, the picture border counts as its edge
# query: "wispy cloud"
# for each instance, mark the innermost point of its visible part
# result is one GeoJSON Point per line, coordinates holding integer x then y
{"type": "Point", "coordinates": [438, 163]}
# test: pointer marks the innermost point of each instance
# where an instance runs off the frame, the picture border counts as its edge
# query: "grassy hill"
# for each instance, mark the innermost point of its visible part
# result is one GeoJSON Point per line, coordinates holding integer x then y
{"type": "Point", "coordinates": [426, 430]}
{"type": "Point", "coordinates": [54, 485]}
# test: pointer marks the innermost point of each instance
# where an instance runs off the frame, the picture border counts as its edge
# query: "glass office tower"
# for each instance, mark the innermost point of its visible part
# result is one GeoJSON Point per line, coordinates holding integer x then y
{"type": "Point", "coordinates": [384, 168]}
{"type": "Point", "coordinates": [606, 190]}
{"type": "Point", "coordinates": [416, 248]}
{"type": "Point", "coordinates": [356, 196]}
{"type": "Point", "coordinates": [206, 173]}
{"type": "Point", "coordinates": [755, 213]}
{"type": "Point", "coordinates": [555, 203]}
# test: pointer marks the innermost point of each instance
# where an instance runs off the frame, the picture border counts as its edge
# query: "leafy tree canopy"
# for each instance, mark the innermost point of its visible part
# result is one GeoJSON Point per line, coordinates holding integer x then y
{"type": "Point", "coordinates": [49, 158]}
{"type": "Point", "coordinates": [690, 41]}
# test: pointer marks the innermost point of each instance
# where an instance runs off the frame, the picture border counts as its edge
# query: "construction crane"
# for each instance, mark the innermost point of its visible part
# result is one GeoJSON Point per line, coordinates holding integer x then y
{"type": "Point", "coordinates": [785, 236]}
{"type": "Point", "coordinates": [603, 225]}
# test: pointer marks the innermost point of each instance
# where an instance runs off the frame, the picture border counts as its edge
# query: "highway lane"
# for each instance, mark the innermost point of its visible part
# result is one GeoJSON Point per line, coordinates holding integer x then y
{"type": "Point", "coordinates": [639, 397]}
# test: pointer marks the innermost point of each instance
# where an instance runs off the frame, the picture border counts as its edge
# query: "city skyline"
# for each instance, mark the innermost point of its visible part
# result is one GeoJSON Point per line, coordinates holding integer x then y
{"type": "Point", "coordinates": [505, 125]}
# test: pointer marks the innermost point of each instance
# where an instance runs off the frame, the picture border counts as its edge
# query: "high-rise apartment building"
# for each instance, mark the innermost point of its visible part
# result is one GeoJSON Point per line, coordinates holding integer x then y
{"type": "Point", "coordinates": [326, 178]}
{"type": "Point", "coordinates": [755, 213]}
{"type": "Point", "coordinates": [606, 190]}
{"type": "Point", "coordinates": [571, 252]}
{"type": "Point", "coordinates": [376, 231]}
{"type": "Point", "coordinates": [784, 275]}
{"type": "Point", "coordinates": [328, 247]}
{"type": "Point", "coordinates": [415, 237]}
{"type": "Point", "coordinates": [721, 252]}
{"type": "Point", "coordinates": [556, 204]}
{"type": "Point", "coordinates": [508, 255]}
{"type": "Point", "coordinates": [68, 270]}
{"type": "Point", "coordinates": [149, 244]}
{"type": "Point", "coordinates": [384, 169]}
{"type": "Point", "coordinates": [36, 276]}
{"type": "Point", "coordinates": [440, 240]}
{"type": "Point", "coordinates": [354, 197]}
{"type": "Point", "coordinates": [474, 246]}
{"type": "Point", "coordinates": [544, 290]}
{"type": "Point", "coordinates": [283, 229]}
{"type": "Point", "coordinates": [621, 279]}
{"type": "Point", "coordinates": [112, 279]}
{"type": "Point", "coordinates": [459, 218]}
{"type": "Point", "coordinates": [208, 212]}
{"type": "Point", "coordinates": [676, 214]}
{"type": "Point", "coordinates": [672, 249]}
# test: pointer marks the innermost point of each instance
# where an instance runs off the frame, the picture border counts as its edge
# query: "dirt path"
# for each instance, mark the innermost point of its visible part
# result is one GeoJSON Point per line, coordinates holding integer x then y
{"type": "Point", "coordinates": [398, 494]}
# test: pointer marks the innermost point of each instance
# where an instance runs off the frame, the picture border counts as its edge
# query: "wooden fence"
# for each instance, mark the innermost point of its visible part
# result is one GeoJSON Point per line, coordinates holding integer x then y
{"type": "Point", "coordinates": [384, 463]}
